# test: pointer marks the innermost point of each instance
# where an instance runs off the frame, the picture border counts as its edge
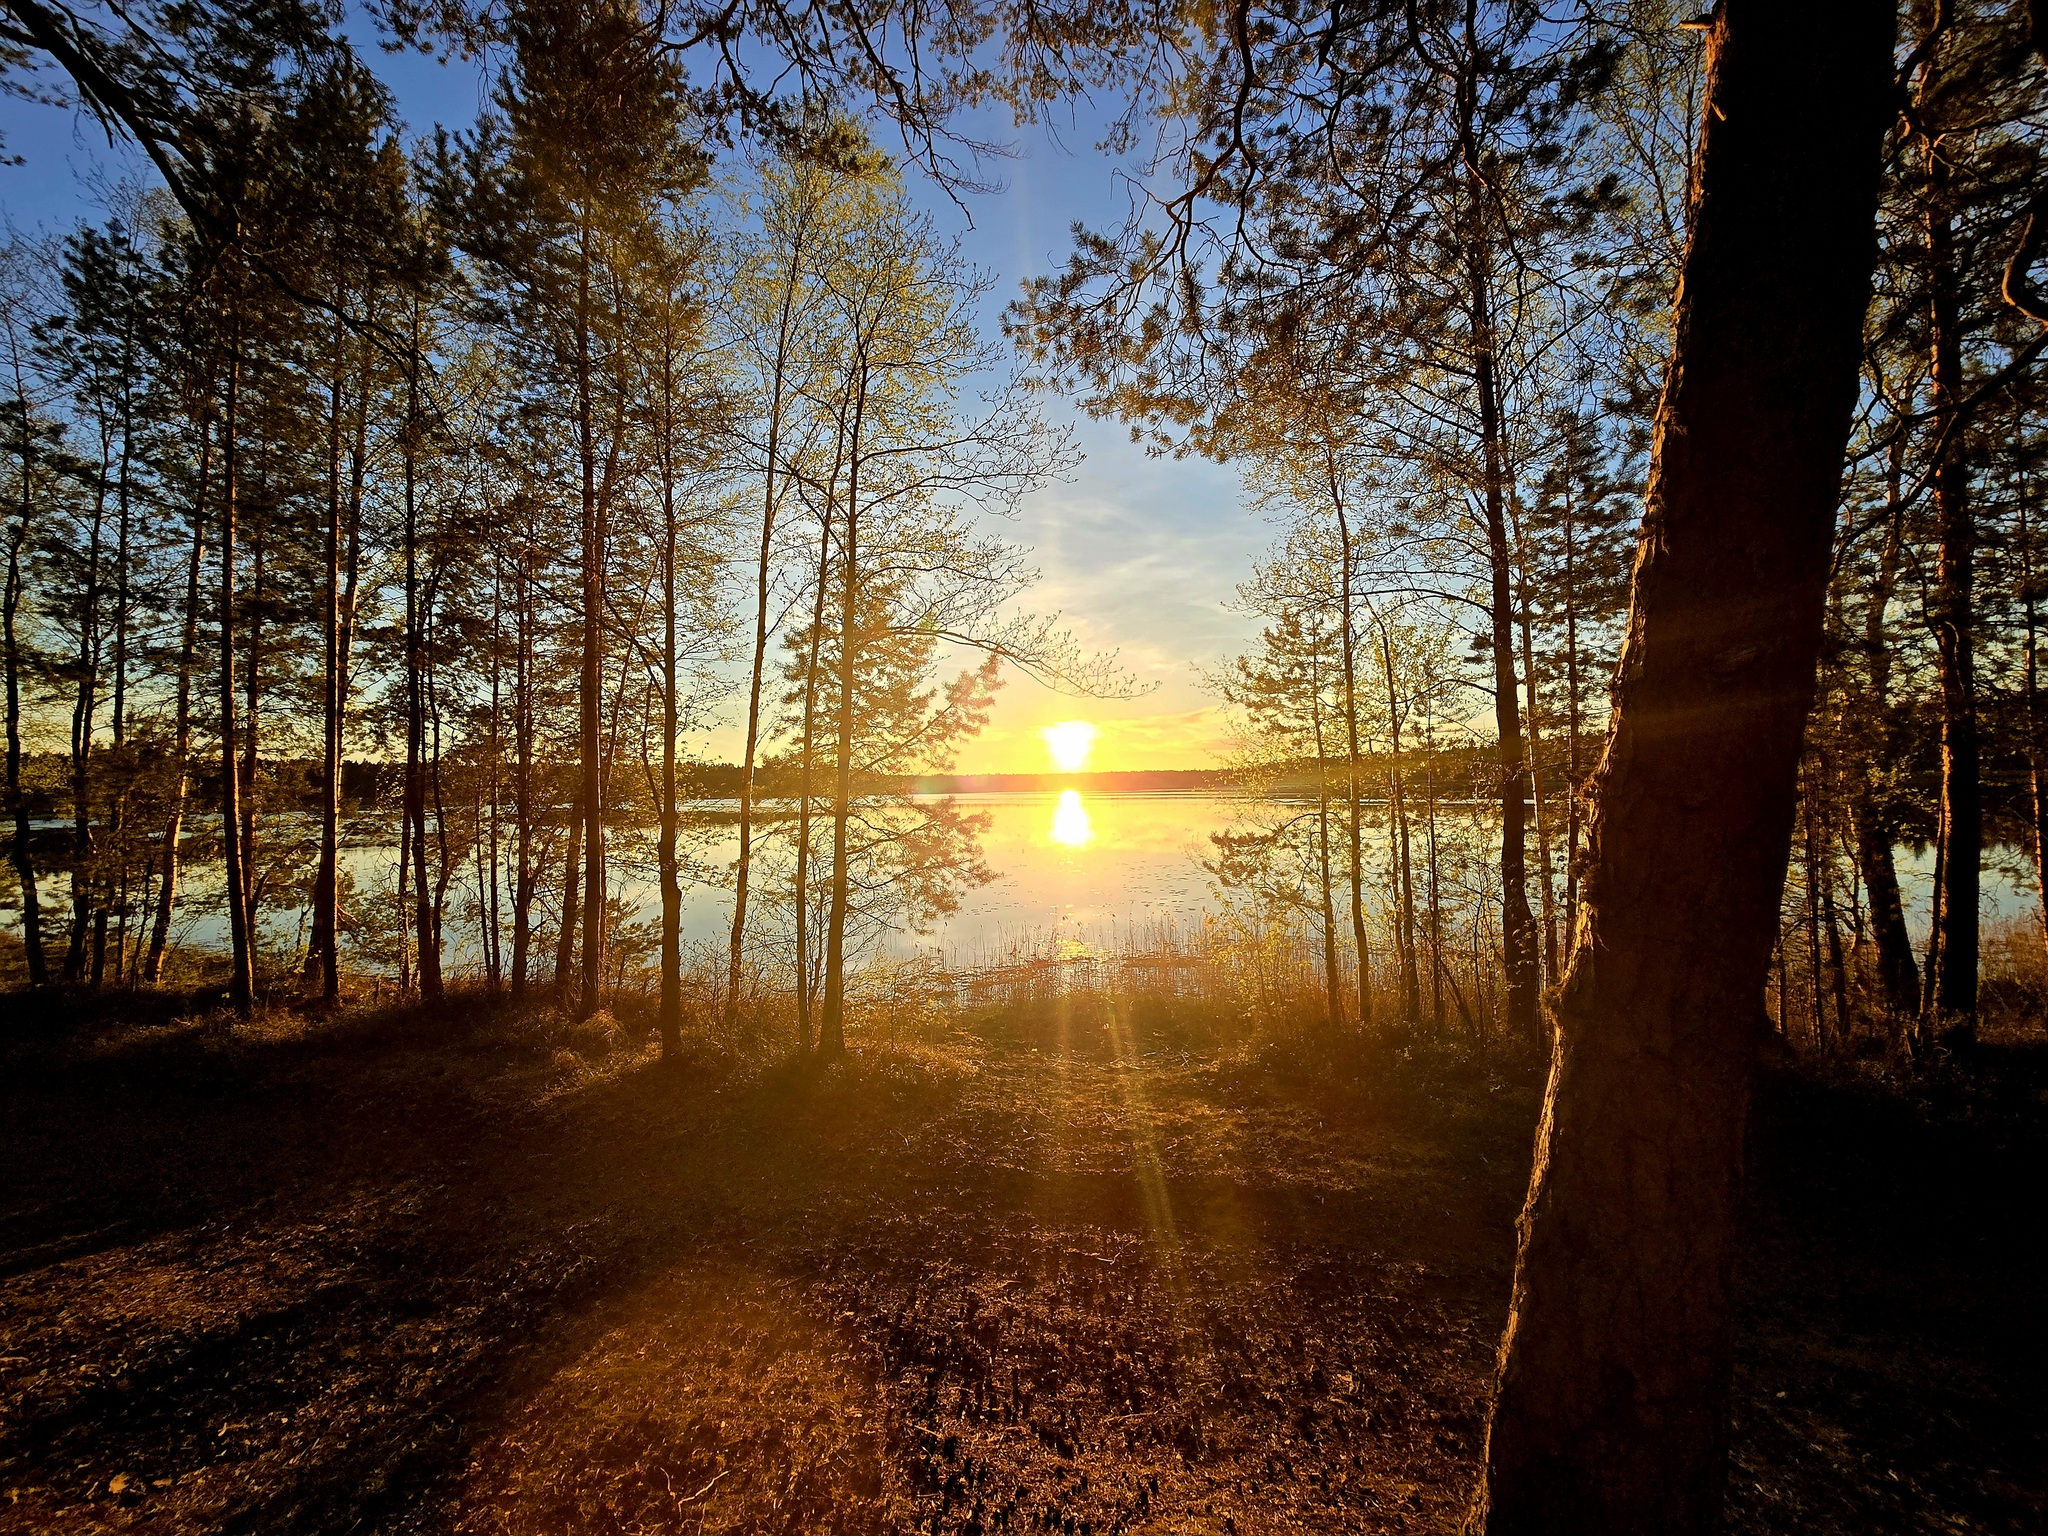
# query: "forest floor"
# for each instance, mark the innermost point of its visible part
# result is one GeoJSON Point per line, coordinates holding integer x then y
{"type": "Point", "coordinates": [474, 1272]}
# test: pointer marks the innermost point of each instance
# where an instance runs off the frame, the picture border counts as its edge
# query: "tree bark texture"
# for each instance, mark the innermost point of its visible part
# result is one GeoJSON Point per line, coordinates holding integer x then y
{"type": "Point", "coordinates": [1611, 1413]}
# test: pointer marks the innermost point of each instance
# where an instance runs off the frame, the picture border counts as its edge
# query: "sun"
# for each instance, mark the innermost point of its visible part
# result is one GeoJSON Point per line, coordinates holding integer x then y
{"type": "Point", "coordinates": [1070, 742]}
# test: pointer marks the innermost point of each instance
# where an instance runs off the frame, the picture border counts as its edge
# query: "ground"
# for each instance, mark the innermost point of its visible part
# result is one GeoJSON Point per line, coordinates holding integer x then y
{"type": "Point", "coordinates": [1068, 1269]}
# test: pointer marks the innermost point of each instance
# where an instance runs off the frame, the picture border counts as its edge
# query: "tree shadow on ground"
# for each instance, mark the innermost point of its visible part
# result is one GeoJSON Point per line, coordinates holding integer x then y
{"type": "Point", "coordinates": [474, 1270]}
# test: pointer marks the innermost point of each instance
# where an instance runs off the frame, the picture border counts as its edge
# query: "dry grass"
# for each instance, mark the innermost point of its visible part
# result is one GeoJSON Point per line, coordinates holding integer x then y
{"type": "Point", "coordinates": [1070, 1262]}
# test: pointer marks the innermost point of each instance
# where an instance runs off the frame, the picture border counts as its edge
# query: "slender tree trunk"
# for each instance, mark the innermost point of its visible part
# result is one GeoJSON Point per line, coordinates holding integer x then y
{"type": "Point", "coordinates": [572, 893]}
{"type": "Point", "coordinates": [242, 979]}
{"type": "Point", "coordinates": [1354, 830]}
{"type": "Point", "coordinates": [806, 790]}
{"type": "Point", "coordinates": [20, 851]}
{"type": "Point", "coordinates": [1897, 975]}
{"type": "Point", "coordinates": [188, 648]}
{"type": "Point", "coordinates": [1574, 724]}
{"type": "Point", "coordinates": [444, 867]}
{"type": "Point", "coordinates": [1816, 998]}
{"type": "Point", "coordinates": [1518, 927]}
{"type": "Point", "coordinates": [1436, 913]}
{"type": "Point", "coordinates": [831, 1028]}
{"type": "Point", "coordinates": [426, 927]}
{"type": "Point", "coordinates": [117, 809]}
{"type": "Point", "coordinates": [1397, 831]}
{"type": "Point", "coordinates": [1962, 810]}
{"type": "Point", "coordinates": [84, 723]}
{"type": "Point", "coordinates": [490, 917]}
{"type": "Point", "coordinates": [590, 679]}
{"type": "Point", "coordinates": [1831, 928]}
{"type": "Point", "coordinates": [743, 869]}
{"type": "Point", "coordinates": [322, 952]}
{"type": "Point", "coordinates": [1333, 978]}
{"type": "Point", "coordinates": [671, 1015]}
{"type": "Point", "coordinates": [525, 875]}
{"type": "Point", "coordinates": [2037, 720]}
{"type": "Point", "coordinates": [1611, 1414]}
{"type": "Point", "coordinates": [1546, 884]}
{"type": "Point", "coordinates": [252, 725]}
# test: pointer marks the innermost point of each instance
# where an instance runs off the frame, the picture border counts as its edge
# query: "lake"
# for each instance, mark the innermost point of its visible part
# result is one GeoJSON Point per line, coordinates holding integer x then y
{"type": "Point", "coordinates": [1085, 866]}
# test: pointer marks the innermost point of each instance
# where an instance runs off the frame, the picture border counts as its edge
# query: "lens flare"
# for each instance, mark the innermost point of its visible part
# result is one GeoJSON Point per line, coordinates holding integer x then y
{"type": "Point", "coordinates": [1070, 826]}
{"type": "Point", "coordinates": [1069, 742]}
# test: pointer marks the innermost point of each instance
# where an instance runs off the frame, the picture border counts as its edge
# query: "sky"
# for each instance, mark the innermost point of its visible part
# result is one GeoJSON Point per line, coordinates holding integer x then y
{"type": "Point", "coordinates": [1139, 555]}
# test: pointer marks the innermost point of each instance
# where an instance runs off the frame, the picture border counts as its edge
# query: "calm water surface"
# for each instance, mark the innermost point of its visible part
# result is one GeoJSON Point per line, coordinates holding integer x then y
{"type": "Point", "coordinates": [1085, 866]}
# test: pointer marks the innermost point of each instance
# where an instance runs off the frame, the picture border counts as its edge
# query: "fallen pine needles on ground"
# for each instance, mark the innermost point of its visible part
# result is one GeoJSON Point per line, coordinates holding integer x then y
{"type": "Point", "coordinates": [1056, 1267]}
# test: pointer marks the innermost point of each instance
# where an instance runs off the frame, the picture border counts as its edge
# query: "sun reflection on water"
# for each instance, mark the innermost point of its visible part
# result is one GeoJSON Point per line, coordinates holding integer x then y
{"type": "Point", "coordinates": [1070, 825]}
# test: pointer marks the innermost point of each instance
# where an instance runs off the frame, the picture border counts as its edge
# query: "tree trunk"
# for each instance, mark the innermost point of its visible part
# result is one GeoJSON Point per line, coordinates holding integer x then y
{"type": "Point", "coordinates": [1546, 883]}
{"type": "Point", "coordinates": [20, 852]}
{"type": "Point", "coordinates": [590, 679]}
{"type": "Point", "coordinates": [806, 790]}
{"type": "Point", "coordinates": [671, 1015]}
{"type": "Point", "coordinates": [1954, 983]}
{"type": "Point", "coordinates": [84, 713]}
{"type": "Point", "coordinates": [188, 647]}
{"type": "Point", "coordinates": [1397, 834]}
{"type": "Point", "coordinates": [526, 873]}
{"type": "Point", "coordinates": [322, 953]}
{"type": "Point", "coordinates": [426, 927]}
{"type": "Point", "coordinates": [1354, 832]}
{"type": "Point", "coordinates": [1333, 983]}
{"type": "Point", "coordinates": [1898, 976]}
{"type": "Point", "coordinates": [743, 869]}
{"type": "Point", "coordinates": [831, 1024]}
{"type": "Point", "coordinates": [1517, 926]}
{"type": "Point", "coordinates": [2037, 719]}
{"type": "Point", "coordinates": [242, 978]}
{"type": "Point", "coordinates": [572, 891]}
{"type": "Point", "coordinates": [1611, 1413]}
{"type": "Point", "coordinates": [1573, 719]}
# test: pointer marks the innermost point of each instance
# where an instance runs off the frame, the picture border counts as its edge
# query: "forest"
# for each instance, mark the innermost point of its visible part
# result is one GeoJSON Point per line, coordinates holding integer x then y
{"type": "Point", "coordinates": [1640, 753]}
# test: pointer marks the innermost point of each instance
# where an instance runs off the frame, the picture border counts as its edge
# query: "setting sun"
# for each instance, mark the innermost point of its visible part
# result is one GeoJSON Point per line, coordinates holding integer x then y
{"type": "Point", "coordinates": [1070, 742]}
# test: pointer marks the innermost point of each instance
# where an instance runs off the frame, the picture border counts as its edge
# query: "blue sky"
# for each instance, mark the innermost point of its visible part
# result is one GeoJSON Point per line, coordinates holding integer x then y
{"type": "Point", "coordinates": [1140, 555]}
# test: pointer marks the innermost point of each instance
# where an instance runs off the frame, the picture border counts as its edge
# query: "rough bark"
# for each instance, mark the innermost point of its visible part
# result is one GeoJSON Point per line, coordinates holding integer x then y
{"type": "Point", "coordinates": [1611, 1413]}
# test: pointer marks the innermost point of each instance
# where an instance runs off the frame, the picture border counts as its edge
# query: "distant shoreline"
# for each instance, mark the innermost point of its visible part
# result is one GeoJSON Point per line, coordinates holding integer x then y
{"type": "Point", "coordinates": [1152, 780]}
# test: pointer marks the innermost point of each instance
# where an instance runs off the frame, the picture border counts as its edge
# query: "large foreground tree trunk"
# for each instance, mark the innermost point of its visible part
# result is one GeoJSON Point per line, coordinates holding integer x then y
{"type": "Point", "coordinates": [1612, 1408]}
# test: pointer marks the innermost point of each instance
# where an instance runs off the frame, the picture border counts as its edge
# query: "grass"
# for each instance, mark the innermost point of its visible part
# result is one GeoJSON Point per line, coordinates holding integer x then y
{"type": "Point", "coordinates": [1061, 1264]}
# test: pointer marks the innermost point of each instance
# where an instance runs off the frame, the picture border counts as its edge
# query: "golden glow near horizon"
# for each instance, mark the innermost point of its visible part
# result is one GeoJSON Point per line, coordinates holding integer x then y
{"type": "Point", "coordinates": [1070, 742]}
{"type": "Point", "coordinates": [1070, 825]}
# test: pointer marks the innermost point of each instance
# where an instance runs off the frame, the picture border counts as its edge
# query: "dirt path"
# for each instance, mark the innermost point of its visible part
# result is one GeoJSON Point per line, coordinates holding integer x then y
{"type": "Point", "coordinates": [447, 1275]}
